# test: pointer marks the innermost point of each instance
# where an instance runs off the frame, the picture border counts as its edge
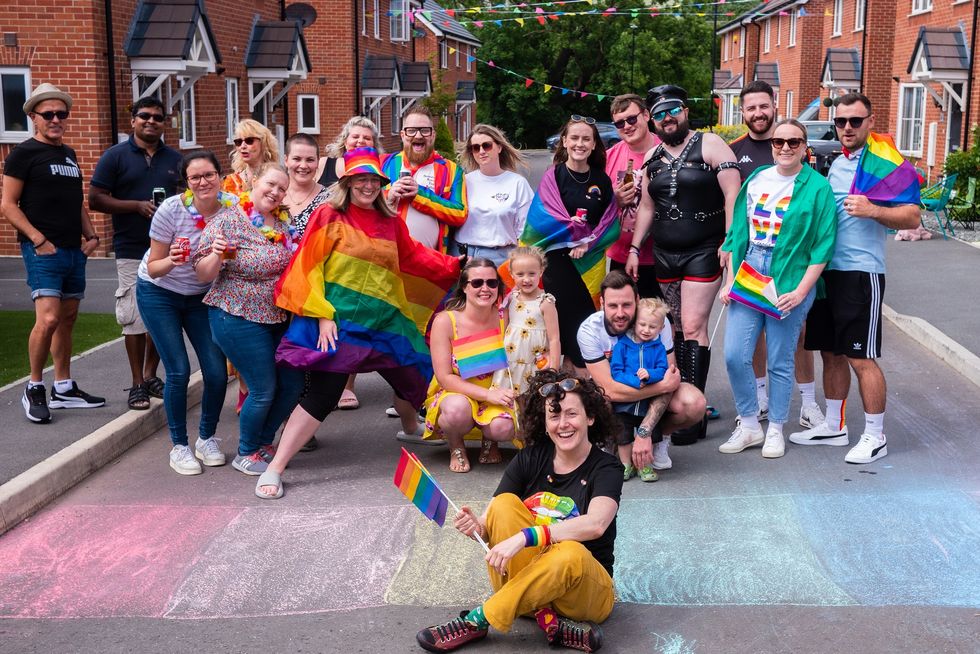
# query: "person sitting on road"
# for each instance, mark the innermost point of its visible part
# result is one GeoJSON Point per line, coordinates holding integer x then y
{"type": "Point", "coordinates": [551, 525]}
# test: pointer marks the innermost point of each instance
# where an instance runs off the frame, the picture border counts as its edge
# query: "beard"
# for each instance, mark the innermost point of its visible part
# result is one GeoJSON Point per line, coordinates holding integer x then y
{"type": "Point", "coordinates": [677, 136]}
{"type": "Point", "coordinates": [755, 130]}
{"type": "Point", "coordinates": [419, 158]}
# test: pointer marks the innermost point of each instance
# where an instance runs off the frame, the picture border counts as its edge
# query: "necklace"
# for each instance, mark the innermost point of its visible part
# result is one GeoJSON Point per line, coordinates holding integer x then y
{"type": "Point", "coordinates": [225, 200]}
{"type": "Point", "coordinates": [289, 239]}
{"type": "Point", "coordinates": [293, 203]}
{"type": "Point", "coordinates": [571, 173]}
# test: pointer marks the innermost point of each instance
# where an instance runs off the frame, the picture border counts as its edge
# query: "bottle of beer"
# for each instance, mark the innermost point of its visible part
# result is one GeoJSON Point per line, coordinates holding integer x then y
{"type": "Point", "coordinates": [628, 177]}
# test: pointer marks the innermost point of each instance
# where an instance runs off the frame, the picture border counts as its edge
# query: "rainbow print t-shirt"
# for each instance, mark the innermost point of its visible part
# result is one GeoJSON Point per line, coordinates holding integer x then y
{"type": "Point", "coordinates": [768, 198]}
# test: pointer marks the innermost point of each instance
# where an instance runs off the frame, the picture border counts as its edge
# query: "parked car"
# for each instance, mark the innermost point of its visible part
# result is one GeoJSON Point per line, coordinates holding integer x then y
{"type": "Point", "coordinates": [821, 139]}
{"type": "Point", "coordinates": [607, 132]}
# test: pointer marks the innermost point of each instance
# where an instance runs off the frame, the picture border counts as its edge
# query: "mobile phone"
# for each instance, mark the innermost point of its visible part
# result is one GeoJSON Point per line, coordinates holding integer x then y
{"type": "Point", "coordinates": [159, 195]}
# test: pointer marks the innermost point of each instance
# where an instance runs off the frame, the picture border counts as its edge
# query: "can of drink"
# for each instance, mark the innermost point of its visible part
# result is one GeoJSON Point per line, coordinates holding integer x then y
{"type": "Point", "coordinates": [581, 213]}
{"type": "Point", "coordinates": [231, 250]}
{"type": "Point", "coordinates": [405, 173]}
{"type": "Point", "coordinates": [184, 244]}
{"type": "Point", "coordinates": [159, 195]}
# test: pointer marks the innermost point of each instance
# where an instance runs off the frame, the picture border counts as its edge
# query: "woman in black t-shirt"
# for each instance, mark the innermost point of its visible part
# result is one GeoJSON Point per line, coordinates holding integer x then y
{"type": "Point", "coordinates": [552, 517]}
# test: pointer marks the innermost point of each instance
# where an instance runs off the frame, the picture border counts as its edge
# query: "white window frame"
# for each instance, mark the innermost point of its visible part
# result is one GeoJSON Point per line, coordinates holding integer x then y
{"type": "Point", "coordinates": [779, 29]}
{"type": "Point", "coordinates": [726, 47]}
{"type": "Point", "coordinates": [458, 46]}
{"type": "Point", "coordinates": [838, 18]}
{"type": "Point", "coordinates": [11, 135]}
{"type": "Point", "coordinates": [741, 42]}
{"type": "Point", "coordinates": [364, 17]}
{"type": "Point", "coordinates": [262, 105]}
{"type": "Point", "coordinates": [377, 19]}
{"type": "Point", "coordinates": [911, 129]}
{"type": "Point", "coordinates": [231, 107]}
{"type": "Point", "coordinates": [921, 6]}
{"type": "Point", "coordinates": [766, 35]}
{"type": "Point", "coordinates": [793, 16]}
{"type": "Point", "coordinates": [469, 64]}
{"type": "Point", "coordinates": [398, 25]}
{"type": "Point", "coordinates": [396, 116]}
{"type": "Point", "coordinates": [186, 117]}
{"type": "Point", "coordinates": [860, 14]}
{"type": "Point", "coordinates": [300, 125]}
{"type": "Point", "coordinates": [789, 105]}
{"type": "Point", "coordinates": [443, 53]}
{"type": "Point", "coordinates": [373, 114]}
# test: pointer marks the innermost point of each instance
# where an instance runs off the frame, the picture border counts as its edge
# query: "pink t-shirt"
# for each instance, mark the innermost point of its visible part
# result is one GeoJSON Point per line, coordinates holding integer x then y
{"type": "Point", "coordinates": [616, 158]}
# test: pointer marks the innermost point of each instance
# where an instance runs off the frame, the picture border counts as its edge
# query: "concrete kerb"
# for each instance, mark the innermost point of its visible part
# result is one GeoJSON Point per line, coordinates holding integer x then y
{"type": "Point", "coordinates": [952, 353]}
{"type": "Point", "coordinates": [29, 491]}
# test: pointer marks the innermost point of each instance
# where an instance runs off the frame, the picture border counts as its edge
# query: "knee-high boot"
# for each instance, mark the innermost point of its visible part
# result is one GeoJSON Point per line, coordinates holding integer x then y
{"type": "Point", "coordinates": [702, 361]}
{"type": "Point", "coordinates": [687, 363]}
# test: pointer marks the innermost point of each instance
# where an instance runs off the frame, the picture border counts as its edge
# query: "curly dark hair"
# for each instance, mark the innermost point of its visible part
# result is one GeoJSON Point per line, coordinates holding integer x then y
{"type": "Point", "coordinates": [605, 423]}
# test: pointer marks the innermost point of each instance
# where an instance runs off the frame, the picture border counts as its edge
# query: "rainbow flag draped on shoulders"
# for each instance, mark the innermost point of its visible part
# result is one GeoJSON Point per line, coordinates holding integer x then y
{"type": "Point", "coordinates": [381, 287]}
{"type": "Point", "coordinates": [756, 291]}
{"type": "Point", "coordinates": [883, 175]}
{"type": "Point", "coordinates": [549, 227]}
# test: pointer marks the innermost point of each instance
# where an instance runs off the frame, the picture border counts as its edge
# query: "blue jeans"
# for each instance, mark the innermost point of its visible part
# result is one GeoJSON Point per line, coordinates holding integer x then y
{"type": "Point", "coordinates": [742, 332]}
{"type": "Point", "coordinates": [272, 391]}
{"type": "Point", "coordinates": [497, 255]}
{"type": "Point", "coordinates": [60, 275]}
{"type": "Point", "coordinates": [168, 316]}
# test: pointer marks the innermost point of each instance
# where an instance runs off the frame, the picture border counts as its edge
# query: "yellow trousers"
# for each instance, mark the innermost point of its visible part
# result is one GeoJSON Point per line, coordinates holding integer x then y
{"type": "Point", "coordinates": [564, 576]}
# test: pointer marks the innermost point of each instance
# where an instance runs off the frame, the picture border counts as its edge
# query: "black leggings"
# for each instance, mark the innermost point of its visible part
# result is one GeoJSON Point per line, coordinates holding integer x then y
{"type": "Point", "coordinates": [572, 301]}
{"type": "Point", "coordinates": [324, 391]}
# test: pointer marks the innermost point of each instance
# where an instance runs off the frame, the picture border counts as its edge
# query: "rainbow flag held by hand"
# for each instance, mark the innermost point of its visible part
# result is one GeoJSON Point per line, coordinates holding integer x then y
{"type": "Point", "coordinates": [481, 353]}
{"type": "Point", "coordinates": [883, 175]}
{"type": "Point", "coordinates": [756, 291]}
{"type": "Point", "coordinates": [420, 487]}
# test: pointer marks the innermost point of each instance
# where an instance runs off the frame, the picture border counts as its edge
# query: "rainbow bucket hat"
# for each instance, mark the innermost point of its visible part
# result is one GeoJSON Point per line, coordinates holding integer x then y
{"type": "Point", "coordinates": [363, 161]}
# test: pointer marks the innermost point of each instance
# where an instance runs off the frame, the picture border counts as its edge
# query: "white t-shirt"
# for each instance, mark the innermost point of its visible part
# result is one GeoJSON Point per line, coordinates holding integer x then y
{"type": "Point", "coordinates": [423, 227]}
{"type": "Point", "coordinates": [767, 198]}
{"type": "Point", "coordinates": [596, 343]}
{"type": "Point", "coordinates": [497, 208]}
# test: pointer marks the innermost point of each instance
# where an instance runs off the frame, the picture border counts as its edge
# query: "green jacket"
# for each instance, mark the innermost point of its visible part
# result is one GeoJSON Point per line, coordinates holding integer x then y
{"type": "Point", "coordinates": [807, 234]}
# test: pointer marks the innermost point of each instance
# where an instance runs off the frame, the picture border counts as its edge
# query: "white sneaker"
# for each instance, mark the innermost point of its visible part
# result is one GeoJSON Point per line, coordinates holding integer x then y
{"type": "Point", "coordinates": [774, 447]}
{"type": "Point", "coordinates": [742, 438]}
{"type": "Point", "coordinates": [661, 460]}
{"type": "Point", "coordinates": [183, 461]}
{"type": "Point", "coordinates": [810, 416]}
{"type": "Point", "coordinates": [822, 434]}
{"type": "Point", "coordinates": [207, 450]}
{"type": "Point", "coordinates": [391, 411]}
{"type": "Point", "coordinates": [868, 449]}
{"type": "Point", "coordinates": [415, 438]}
{"type": "Point", "coordinates": [763, 407]}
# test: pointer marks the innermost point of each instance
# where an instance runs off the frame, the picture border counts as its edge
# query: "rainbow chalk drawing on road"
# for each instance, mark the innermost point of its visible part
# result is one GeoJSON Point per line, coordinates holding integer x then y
{"type": "Point", "coordinates": [671, 643]}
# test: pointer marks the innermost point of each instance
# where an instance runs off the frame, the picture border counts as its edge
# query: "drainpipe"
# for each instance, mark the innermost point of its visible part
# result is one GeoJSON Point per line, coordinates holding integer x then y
{"type": "Point", "coordinates": [285, 98]}
{"type": "Point", "coordinates": [111, 70]}
{"type": "Point", "coordinates": [970, 78]}
{"type": "Point", "coordinates": [357, 62]}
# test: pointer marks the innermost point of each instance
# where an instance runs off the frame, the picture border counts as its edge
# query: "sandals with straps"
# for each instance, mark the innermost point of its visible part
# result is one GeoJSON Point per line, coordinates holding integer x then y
{"type": "Point", "coordinates": [459, 454]}
{"type": "Point", "coordinates": [154, 386]}
{"type": "Point", "coordinates": [139, 398]}
{"type": "Point", "coordinates": [489, 452]}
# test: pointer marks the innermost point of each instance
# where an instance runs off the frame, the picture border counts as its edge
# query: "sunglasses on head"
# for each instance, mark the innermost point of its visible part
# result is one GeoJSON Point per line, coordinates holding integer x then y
{"type": "Point", "coordinates": [660, 115]}
{"type": "Point", "coordinates": [588, 120]}
{"type": "Point", "coordinates": [566, 386]}
{"type": "Point", "coordinates": [50, 115]}
{"type": "Point", "coordinates": [630, 120]}
{"type": "Point", "coordinates": [248, 140]}
{"type": "Point", "coordinates": [853, 121]}
{"type": "Point", "coordinates": [146, 116]}
{"type": "Point", "coordinates": [417, 131]}
{"type": "Point", "coordinates": [792, 143]}
{"type": "Point", "coordinates": [486, 146]}
{"type": "Point", "coordinates": [478, 283]}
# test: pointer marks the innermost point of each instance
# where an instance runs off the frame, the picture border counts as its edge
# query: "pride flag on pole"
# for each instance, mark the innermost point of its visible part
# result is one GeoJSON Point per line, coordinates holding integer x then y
{"type": "Point", "coordinates": [417, 484]}
{"type": "Point", "coordinates": [883, 175]}
{"type": "Point", "coordinates": [481, 353]}
{"type": "Point", "coordinates": [755, 290]}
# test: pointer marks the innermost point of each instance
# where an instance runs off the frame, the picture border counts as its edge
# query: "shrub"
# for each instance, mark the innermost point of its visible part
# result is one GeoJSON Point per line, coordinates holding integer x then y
{"type": "Point", "coordinates": [965, 163]}
{"type": "Point", "coordinates": [728, 132]}
{"type": "Point", "coordinates": [444, 141]}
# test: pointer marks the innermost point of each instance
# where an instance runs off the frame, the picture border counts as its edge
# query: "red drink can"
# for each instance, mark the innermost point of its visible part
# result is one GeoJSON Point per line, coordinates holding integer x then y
{"type": "Point", "coordinates": [581, 213]}
{"type": "Point", "coordinates": [184, 244]}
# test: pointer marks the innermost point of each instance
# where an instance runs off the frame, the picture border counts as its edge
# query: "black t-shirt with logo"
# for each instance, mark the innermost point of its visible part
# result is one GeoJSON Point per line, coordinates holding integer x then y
{"type": "Point", "coordinates": [751, 153]}
{"type": "Point", "coordinates": [52, 195]}
{"type": "Point", "coordinates": [593, 194]}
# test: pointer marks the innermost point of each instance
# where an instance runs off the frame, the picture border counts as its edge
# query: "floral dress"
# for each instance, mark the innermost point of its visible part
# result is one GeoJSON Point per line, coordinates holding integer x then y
{"type": "Point", "coordinates": [483, 412]}
{"type": "Point", "coordinates": [526, 342]}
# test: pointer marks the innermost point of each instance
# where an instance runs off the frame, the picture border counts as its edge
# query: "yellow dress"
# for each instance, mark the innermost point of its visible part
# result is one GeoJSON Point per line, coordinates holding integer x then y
{"type": "Point", "coordinates": [483, 412]}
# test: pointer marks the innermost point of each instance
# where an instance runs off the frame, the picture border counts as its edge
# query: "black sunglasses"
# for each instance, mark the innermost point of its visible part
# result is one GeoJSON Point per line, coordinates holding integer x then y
{"type": "Point", "coordinates": [248, 140]}
{"type": "Point", "coordinates": [417, 131]}
{"type": "Point", "coordinates": [660, 115]}
{"type": "Point", "coordinates": [854, 121]}
{"type": "Point", "coordinates": [588, 120]}
{"type": "Point", "coordinates": [478, 283]}
{"type": "Point", "coordinates": [486, 146]}
{"type": "Point", "coordinates": [143, 115]}
{"type": "Point", "coordinates": [631, 120]}
{"type": "Point", "coordinates": [792, 143]}
{"type": "Point", "coordinates": [50, 115]}
{"type": "Point", "coordinates": [566, 385]}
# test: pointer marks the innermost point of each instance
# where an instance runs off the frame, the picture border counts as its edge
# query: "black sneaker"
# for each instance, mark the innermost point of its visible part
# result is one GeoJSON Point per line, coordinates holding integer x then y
{"type": "Point", "coordinates": [35, 405]}
{"type": "Point", "coordinates": [452, 635]}
{"type": "Point", "coordinates": [583, 636]}
{"type": "Point", "coordinates": [74, 399]}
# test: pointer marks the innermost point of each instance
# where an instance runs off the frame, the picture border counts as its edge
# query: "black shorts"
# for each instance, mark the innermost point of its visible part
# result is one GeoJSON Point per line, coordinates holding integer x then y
{"type": "Point", "coordinates": [699, 265]}
{"type": "Point", "coordinates": [848, 320]}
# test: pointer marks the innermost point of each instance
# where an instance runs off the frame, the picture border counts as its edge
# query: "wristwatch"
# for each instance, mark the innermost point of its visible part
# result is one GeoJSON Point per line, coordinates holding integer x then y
{"type": "Point", "coordinates": [642, 432]}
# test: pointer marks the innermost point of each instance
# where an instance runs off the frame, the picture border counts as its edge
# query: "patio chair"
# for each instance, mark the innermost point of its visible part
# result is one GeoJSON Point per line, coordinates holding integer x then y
{"type": "Point", "coordinates": [965, 209]}
{"type": "Point", "coordinates": [936, 199]}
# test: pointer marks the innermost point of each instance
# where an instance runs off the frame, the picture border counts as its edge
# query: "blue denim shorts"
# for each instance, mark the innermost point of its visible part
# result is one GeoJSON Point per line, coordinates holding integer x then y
{"type": "Point", "coordinates": [60, 275]}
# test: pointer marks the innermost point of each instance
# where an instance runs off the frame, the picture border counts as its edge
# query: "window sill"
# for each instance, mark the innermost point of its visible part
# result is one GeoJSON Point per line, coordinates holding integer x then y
{"type": "Point", "coordinates": [920, 13]}
{"type": "Point", "coordinates": [185, 145]}
{"type": "Point", "coordinates": [14, 139]}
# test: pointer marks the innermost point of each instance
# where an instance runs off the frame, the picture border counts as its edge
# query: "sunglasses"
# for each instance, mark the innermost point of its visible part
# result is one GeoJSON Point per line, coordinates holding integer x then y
{"type": "Point", "coordinates": [588, 120]}
{"type": "Point", "coordinates": [660, 115]}
{"type": "Point", "coordinates": [207, 177]}
{"type": "Point", "coordinates": [157, 118]}
{"type": "Point", "coordinates": [478, 283]}
{"type": "Point", "coordinates": [631, 120]}
{"type": "Point", "coordinates": [853, 121]}
{"type": "Point", "coordinates": [417, 131]}
{"type": "Point", "coordinates": [248, 140]}
{"type": "Point", "coordinates": [485, 146]}
{"type": "Point", "coordinates": [50, 115]}
{"type": "Point", "coordinates": [566, 386]}
{"type": "Point", "coordinates": [792, 143]}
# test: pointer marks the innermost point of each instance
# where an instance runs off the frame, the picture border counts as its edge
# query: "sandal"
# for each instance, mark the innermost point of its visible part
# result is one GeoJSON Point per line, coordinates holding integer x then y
{"type": "Point", "coordinates": [489, 452]}
{"type": "Point", "coordinates": [458, 456]}
{"type": "Point", "coordinates": [711, 413]}
{"type": "Point", "coordinates": [269, 478]}
{"type": "Point", "coordinates": [139, 398]}
{"type": "Point", "coordinates": [154, 386]}
{"type": "Point", "coordinates": [348, 401]}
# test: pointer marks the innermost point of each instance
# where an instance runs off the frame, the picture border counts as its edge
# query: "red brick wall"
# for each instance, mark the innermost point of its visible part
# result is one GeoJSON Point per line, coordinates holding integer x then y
{"type": "Point", "coordinates": [799, 64]}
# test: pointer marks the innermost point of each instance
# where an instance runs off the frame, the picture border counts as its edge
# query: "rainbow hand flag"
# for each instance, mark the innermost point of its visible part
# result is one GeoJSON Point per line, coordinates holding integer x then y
{"type": "Point", "coordinates": [479, 354]}
{"type": "Point", "coordinates": [418, 485]}
{"type": "Point", "coordinates": [883, 175]}
{"type": "Point", "coordinates": [756, 291]}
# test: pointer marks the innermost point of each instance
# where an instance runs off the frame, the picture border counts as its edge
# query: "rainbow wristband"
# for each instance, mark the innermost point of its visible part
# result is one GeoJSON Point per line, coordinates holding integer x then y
{"type": "Point", "coordinates": [536, 536]}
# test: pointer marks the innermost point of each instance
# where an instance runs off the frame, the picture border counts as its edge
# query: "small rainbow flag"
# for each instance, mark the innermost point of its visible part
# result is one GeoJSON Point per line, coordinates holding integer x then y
{"type": "Point", "coordinates": [417, 484]}
{"type": "Point", "coordinates": [755, 290]}
{"type": "Point", "coordinates": [480, 353]}
{"type": "Point", "coordinates": [883, 175]}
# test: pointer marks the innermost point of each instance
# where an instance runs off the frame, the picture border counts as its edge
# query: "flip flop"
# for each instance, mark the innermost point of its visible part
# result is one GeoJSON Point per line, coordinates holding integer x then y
{"type": "Point", "coordinates": [348, 401]}
{"type": "Point", "coordinates": [269, 478]}
{"type": "Point", "coordinates": [463, 462]}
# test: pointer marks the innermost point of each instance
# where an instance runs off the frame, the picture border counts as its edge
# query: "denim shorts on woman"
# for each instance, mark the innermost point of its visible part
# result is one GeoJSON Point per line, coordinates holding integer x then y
{"type": "Point", "coordinates": [60, 275]}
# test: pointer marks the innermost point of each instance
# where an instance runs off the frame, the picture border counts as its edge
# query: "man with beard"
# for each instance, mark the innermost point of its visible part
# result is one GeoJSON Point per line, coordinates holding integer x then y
{"type": "Point", "coordinates": [123, 184]}
{"type": "Point", "coordinates": [427, 190]}
{"type": "Point", "coordinates": [692, 182]}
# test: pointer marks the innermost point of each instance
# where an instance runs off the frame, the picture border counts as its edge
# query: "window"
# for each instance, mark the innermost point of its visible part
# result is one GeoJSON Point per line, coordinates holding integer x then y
{"type": "Point", "coordinates": [376, 16]}
{"type": "Point", "coordinates": [308, 113]}
{"type": "Point", "coordinates": [396, 116]}
{"type": "Point", "coordinates": [261, 111]}
{"type": "Point", "coordinates": [789, 105]}
{"type": "Point", "coordinates": [364, 17]}
{"type": "Point", "coordinates": [911, 117]}
{"type": "Point", "coordinates": [921, 6]}
{"type": "Point", "coordinates": [726, 47]}
{"type": "Point", "coordinates": [14, 84]}
{"type": "Point", "coordinates": [860, 9]}
{"type": "Point", "coordinates": [367, 102]}
{"type": "Point", "coordinates": [793, 15]}
{"type": "Point", "coordinates": [231, 107]}
{"type": "Point", "coordinates": [187, 122]}
{"type": "Point", "coordinates": [766, 35]}
{"type": "Point", "coordinates": [469, 63]}
{"type": "Point", "coordinates": [399, 20]}
{"type": "Point", "coordinates": [838, 17]}
{"type": "Point", "coordinates": [741, 42]}
{"type": "Point", "coordinates": [443, 54]}
{"type": "Point", "coordinates": [779, 28]}
{"type": "Point", "coordinates": [458, 46]}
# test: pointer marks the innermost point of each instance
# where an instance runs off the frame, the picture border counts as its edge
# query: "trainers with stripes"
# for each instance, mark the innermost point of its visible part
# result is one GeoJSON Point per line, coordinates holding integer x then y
{"type": "Point", "coordinates": [661, 458]}
{"type": "Point", "coordinates": [35, 403]}
{"type": "Point", "coordinates": [810, 416]}
{"type": "Point", "coordinates": [742, 438]}
{"type": "Point", "coordinates": [868, 449]}
{"type": "Point", "coordinates": [583, 636]}
{"type": "Point", "coordinates": [75, 398]}
{"type": "Point", "coordinates": [252, 464]}
{"type": "Point", "coordinates": [207, 450]}
{"type": "Point", "coordinates": [822, 434]}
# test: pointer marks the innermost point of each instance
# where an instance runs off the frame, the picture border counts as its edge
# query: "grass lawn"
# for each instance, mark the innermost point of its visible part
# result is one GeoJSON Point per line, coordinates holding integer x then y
{"type": "Point", "coordinates": [91, 329]}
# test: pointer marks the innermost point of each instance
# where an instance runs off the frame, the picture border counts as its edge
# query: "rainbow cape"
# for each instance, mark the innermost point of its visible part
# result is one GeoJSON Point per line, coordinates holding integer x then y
{"type": "Point", "coordinates": [420, 487]}
{"type": "Point", "coordinates": [883, 175]}
{"type": "Point", "coordinates": [549, 227]}
{"type": "Point", "coordinates": [755, 290]}
{"type": "Point", "coordinates": [363, 270]}
{"type": "Point", "coordinates": [479, 354]}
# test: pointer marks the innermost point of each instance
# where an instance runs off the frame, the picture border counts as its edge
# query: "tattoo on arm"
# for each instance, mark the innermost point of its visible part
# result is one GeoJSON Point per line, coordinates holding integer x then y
{"type": "Point", "coordinates": [658, 407]}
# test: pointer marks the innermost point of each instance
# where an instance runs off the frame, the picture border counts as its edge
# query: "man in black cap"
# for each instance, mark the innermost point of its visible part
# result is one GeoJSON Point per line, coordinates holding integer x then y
{"type": "Point", "coordinates": [692, 182]}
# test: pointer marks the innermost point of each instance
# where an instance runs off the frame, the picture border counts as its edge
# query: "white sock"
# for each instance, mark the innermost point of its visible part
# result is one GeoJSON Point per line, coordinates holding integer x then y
{"type": "Point", "coordinates": [874, 424]}
{"type": "Point", "coordinates": [775, 429]}
{"type": "Point", "coordinates": [62, 385]}
{"type": "Point", "coordinates": [32, 384]}
{"type": "Point", "coordinates": [760, 387]}
{"type": "Point", "coordinates": [751, 422]}
{"type": "Point", "coordinates": [808, 391]}
{"type": "Point", "coordinates": [835, 414]}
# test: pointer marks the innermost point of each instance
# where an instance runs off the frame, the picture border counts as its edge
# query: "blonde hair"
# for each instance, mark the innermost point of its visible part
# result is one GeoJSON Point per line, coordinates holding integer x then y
{"type": "Point", "coordinates": [654, 305]}
{"type": "Point", "coordinates": [266, 166]}
{"type": "Point", "coordinates": [510, 157]}
{"type": "Point", "coordinates": [340, 198]}
{"type": "Point", "coordinates": [529, 252]}
{"type": "Point", "coordinates": [339, 146]}
{"type": "Point", "coordinates": [270, 146]}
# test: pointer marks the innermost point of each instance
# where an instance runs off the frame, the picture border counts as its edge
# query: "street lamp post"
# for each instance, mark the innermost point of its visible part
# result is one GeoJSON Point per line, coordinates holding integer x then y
{"type": "Point", "coordinates": [633, 28]}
